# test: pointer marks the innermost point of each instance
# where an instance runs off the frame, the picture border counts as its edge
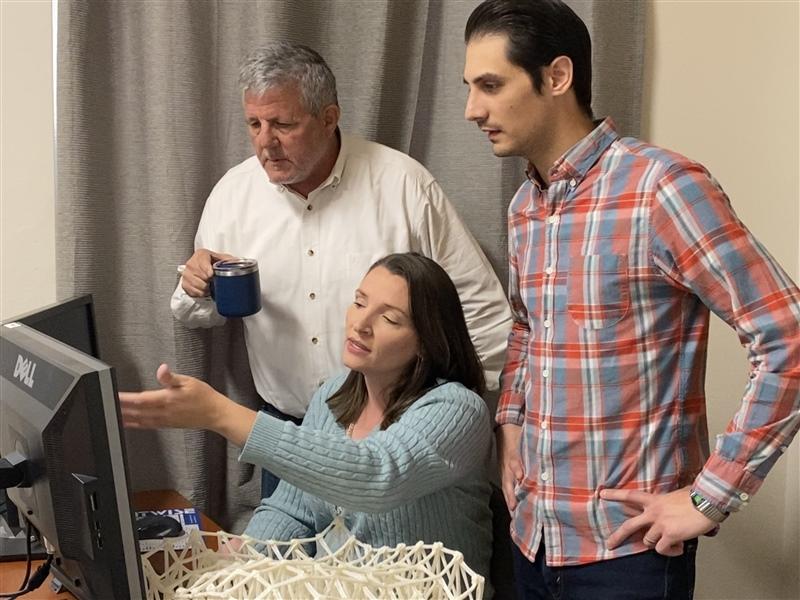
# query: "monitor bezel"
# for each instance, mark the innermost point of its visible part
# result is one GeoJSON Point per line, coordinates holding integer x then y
{"type": "Point", "coordinates": [31, 318]}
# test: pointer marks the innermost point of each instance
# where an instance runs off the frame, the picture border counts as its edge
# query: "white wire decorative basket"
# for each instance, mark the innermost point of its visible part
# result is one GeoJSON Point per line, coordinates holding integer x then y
{"type": "Point", "coordinates": [250, 569]}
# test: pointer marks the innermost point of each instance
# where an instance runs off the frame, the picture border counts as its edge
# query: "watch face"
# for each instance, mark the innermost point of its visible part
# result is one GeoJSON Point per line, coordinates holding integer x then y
{"type": "Point", "coordinates": [707, 509]}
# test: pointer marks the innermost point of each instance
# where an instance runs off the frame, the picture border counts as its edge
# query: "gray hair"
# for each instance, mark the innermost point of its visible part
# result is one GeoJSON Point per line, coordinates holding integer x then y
{"type": "Point", "coordinates": [282, 63]}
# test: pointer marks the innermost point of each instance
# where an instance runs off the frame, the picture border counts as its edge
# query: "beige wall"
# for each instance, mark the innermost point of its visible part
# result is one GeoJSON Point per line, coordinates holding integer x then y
{"type": "Point", "coordinates": [722, 88]}
{"type": "Point", "coordinates": [27, 234]}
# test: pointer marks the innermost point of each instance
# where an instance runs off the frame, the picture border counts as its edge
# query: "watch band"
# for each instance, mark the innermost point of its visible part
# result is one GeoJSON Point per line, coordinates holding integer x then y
{"type": "Point", "coordinates": [708, 509]}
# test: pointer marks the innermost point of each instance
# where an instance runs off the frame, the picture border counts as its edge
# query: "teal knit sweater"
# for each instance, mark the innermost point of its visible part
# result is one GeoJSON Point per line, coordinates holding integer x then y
{"type": "Point", "coordinates": [423, 478]}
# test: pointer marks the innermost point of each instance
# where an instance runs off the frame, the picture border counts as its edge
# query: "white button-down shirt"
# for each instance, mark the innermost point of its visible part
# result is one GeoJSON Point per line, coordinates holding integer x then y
{"type": "Point", "coordinates": [312, 253]}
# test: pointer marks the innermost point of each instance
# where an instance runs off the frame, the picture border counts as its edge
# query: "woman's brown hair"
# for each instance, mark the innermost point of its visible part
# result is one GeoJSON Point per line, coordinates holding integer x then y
{"type": "Point", "coordinates": [445, 353]}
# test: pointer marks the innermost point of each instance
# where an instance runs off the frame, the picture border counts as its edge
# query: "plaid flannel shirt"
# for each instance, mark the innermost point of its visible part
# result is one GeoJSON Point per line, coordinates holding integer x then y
{"type": "Point", "coordinates": [613, 269]}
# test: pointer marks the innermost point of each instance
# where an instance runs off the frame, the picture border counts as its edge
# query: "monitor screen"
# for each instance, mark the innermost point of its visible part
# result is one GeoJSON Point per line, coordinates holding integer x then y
{"type": "Point", "coordinates": [59, 411]}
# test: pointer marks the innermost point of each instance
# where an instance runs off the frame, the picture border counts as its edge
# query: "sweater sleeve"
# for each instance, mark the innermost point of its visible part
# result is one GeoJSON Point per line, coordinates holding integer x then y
{"type": "Point", "coordinates": [285, 515]}
{"type": "Point", "coordinates": [282, 516]}
{"type": "Point", "coordinates": [437, 441]}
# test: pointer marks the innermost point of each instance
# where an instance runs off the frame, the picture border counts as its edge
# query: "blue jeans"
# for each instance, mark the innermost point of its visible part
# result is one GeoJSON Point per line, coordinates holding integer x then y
{"type": "Point", "coordinates": [269, 481]}
{"type": "Point", "coordinates": [644, 576]}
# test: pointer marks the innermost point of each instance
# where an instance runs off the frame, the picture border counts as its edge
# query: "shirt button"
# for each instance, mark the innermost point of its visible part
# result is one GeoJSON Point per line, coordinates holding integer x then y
{"type": "Point", "coordinates": [545, 476]}
{"type": "Point", "coordinates": [545, 373]}
{"type": "Point", "coordinates": [309, 207]}
{"type": "Point", "coordinates": [315, 340]}
{"type": "Point", "coordinates": [310, 252]}
{"type": "Point", "coordinates": [544, 425]}
{"type": "Point", "coordinates": [547, 323]}
{"type": "Point", "coordinates": [552, 219]}
{"type": "Point", "coordinates": [572, 182]}
{"type": "Point", "coordinates": [549, 270]}
{"type": "Point", "coordinates": [312, 295]}
{"type": "Point", "coordinates": [744, 496]}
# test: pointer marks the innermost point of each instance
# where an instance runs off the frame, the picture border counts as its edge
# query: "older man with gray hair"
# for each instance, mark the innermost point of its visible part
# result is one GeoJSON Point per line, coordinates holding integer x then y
{"type": "Point", "coordinates": [329, 206]}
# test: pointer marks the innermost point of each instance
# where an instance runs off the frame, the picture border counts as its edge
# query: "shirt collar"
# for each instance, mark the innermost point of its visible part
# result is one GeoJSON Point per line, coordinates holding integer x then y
{"type": "Point", "coordinates": [338, 167]}
{"type": "Point", "coordinates": [576, 162]}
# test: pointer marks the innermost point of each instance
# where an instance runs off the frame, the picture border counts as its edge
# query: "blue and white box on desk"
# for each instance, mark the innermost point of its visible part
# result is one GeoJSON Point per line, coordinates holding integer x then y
{"type": "Point", "coordinates": [187, 518]}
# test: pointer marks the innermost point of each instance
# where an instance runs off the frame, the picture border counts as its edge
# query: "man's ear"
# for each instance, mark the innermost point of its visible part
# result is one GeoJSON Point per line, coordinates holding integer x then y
{"type": "Point", "coordinates": [330, 115]}
{"type": "Point", "coordinates": [560, 74]}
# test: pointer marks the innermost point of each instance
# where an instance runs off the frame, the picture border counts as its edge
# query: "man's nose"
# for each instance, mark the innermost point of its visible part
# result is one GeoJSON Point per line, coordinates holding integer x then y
{"type": "Point", "coordinates": [266, 137]}
{"type": "Point", "coordinates": [473, 111]}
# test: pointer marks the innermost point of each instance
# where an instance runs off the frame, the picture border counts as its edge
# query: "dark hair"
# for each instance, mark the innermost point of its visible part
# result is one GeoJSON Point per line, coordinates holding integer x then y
{"type": "Point", "coordinates": [445, 348]}
{"type": "Point", "coordinates": [538, 31]}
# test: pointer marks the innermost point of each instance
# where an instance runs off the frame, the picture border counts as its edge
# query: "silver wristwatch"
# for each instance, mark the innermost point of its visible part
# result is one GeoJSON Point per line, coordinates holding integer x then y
{"type": "Point", "coordinates": [708, 509]}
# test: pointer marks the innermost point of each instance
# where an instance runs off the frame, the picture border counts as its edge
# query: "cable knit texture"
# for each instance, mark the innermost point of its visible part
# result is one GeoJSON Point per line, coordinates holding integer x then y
{"type": "Point", "coordinates": [423, 478]}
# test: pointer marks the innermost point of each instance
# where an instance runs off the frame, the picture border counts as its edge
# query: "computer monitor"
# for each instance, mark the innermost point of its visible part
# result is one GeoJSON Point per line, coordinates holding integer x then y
{"type": "Point", "coordinates": [70, 321]}
{"type": "Point", "coordinates": [59, 411]}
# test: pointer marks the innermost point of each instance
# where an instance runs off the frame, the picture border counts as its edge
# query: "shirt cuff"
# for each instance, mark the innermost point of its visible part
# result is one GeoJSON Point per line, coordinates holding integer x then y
{"type": "Point", "coordinates": [726, 483]}
{"type": "Point", "coordinates": [510, 409]}
{"type": "Point", "coordinates": [195, 312]}
{"type": "Point", "coordinates": [492, 380]}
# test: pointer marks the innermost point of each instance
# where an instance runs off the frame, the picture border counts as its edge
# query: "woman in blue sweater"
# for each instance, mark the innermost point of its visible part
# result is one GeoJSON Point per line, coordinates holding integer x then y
{"type": "Point", "coordinates": [397, 446]}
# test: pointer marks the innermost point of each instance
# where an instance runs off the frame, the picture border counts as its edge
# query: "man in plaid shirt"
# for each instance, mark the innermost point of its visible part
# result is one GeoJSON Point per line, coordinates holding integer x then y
{"type": "Point", "coordinates": [618, 250]}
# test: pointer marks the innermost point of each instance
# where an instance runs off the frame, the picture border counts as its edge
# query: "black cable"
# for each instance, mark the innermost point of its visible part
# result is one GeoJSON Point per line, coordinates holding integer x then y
{"type": "Point", "coordinates": [37, 580]}
{"type": "Point", "coordinates": [27, 553]}
{"type": "Point", "coordinates": [29, 562]}
{"type": "Point", "coordinates": [30, 583]}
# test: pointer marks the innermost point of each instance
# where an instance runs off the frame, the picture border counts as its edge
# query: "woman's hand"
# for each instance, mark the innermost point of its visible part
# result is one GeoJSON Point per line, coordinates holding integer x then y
{"type": "Point", "coordinates": [182, 402]}
{"type": "Point", "coordinates": [186, 403]}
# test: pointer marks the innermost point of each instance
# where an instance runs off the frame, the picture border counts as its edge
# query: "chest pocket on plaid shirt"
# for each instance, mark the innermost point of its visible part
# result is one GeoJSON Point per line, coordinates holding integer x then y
{"type": "Point", "coordinates": [597, 290]}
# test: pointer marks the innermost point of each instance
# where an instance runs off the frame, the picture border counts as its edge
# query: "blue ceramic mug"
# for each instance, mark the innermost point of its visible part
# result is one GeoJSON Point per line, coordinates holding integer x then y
{"type": "Point", "coordinates": [236, 287]}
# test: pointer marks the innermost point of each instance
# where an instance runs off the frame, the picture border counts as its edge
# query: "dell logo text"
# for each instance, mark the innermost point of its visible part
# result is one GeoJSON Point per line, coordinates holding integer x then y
{"type": "Point", "coordinates": [24, 370]}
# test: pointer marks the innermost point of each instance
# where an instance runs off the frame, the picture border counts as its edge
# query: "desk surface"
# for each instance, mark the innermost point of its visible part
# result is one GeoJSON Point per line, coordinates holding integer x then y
{"type": "Point", "coordinates": [12, 573]}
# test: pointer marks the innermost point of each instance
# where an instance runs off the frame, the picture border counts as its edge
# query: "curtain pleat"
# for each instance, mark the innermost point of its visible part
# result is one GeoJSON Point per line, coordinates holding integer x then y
{"type": "Point", "coordinates": [149, 118]}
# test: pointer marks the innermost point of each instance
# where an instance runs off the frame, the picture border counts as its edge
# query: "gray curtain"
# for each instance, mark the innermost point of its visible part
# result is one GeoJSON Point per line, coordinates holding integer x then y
{"type": "Point", "coordinates": [149, 118]}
